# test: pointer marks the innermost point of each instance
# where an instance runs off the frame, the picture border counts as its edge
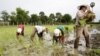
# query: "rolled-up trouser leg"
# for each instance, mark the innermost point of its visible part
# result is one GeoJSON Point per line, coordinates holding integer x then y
{"type": "Point", "coordinates": [55, 39]}
{"type": "Point", "coordinates": [22, 33]}
{"type": "Point", "coordinates": [33, 34]}
{"type": "Point", "coordinates": [79, 31]}
{"type": "Point", "coordinates": [86, 35]}
{"type": "Point", "coordinates": [87, 41]}
{"type": "Point", "coordinates": [76, 42]}
{"type": "Point", "coordinates": [61, 39]}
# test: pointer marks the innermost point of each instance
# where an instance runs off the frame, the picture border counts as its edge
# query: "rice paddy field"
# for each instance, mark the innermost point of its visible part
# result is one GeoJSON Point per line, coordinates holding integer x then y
{"type": "Point", "coordinates": [10, 46]}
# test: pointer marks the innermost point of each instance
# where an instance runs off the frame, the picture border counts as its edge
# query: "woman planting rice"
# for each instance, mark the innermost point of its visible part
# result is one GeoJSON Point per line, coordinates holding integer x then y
{"type": "Point", "coordinates": [39, 30]}
{"type": "Point", "coordinates": [58, 35]}
{"type": "Point", "coordinates": [20, 30]}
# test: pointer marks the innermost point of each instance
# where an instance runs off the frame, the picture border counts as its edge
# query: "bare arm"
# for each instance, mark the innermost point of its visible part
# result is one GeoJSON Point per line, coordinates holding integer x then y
{"type": "Point", "coordinates": [33, 34]}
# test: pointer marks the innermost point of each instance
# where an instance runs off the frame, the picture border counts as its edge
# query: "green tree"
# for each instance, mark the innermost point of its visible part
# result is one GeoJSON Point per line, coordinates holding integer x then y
{"type": "Point", "coordinates": [51, 18]}
{"type": "Point", "coordinates": [22, 15]}
{"type": "Point", "coordinates": [34, 19]}
{"type": "Point", "coordinates": [5, 15]}
{"type": "Point", "coordinates": [43, 17]}
{"type": "Point", "coordinates": [13, 18]}
{"type": "Point", "coordinates": [66, 18]}
{"type": "Point", "coordinates": [41, 13]}
{"type": "Point", "coordinates": [58, 16]}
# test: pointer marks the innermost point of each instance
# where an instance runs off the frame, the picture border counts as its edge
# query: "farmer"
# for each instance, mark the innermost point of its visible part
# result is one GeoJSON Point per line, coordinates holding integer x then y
{"type": "Point", "coordinates": [20, 30]}
{"type": "Point", "coordinates": [58, 35]}
{"type": "Point", "coordinates": [82, 17]}
{"type": "Point", "coordinates": [39, 30]}
{"type": "Point", "coordinates": [47, 39]}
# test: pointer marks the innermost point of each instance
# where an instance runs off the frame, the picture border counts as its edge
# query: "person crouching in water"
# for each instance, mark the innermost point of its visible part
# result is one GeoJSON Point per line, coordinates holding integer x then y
{"type": "Point", "coordinates": [39, 30]}
{"type": "Point", "coordinates": [58, 35]}
{"type": "Point", "coordinates": [20, 30]}
{"type": "Point", "coordinates": [81, 25]}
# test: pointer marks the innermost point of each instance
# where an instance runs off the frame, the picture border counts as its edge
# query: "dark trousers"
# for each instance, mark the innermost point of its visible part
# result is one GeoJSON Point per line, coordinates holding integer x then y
{"type": "Point", "coordinates": [58, 39]}
{"type": "Point", "coordinates": [40, 35]}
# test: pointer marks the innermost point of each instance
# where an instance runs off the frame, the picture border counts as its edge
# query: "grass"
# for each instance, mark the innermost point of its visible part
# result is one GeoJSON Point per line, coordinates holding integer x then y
{"type": "Point", "coordinates": [97, 51]}
{"type": "Point", "coordinates": [8, 36]}
{"type": "Point", "coordinates": [8, 41]}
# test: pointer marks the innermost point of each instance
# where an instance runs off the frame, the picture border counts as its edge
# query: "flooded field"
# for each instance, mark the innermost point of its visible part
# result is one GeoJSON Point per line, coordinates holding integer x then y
{"type": "Point", "coordinates": [24, 47]}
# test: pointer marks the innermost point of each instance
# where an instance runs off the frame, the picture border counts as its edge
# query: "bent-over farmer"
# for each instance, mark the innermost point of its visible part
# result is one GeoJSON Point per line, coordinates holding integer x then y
{"type": "Point", "coordinates": [39, 30]}
{"type": "Point", "coordinates": [20, 30]}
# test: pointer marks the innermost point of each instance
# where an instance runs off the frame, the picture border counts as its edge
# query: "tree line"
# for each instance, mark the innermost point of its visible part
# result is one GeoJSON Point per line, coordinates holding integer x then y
{"type": "Point", "coordinates": [22, 16]}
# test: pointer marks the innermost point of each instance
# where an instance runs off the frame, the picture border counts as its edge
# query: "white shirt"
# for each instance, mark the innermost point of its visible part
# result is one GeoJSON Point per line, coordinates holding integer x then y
{"type": "Point", "coordinates": [57, 32]}
{"type": "Point", "coordinates": [47, 36]}
{"type": "Point", "coordinates": [39, 28]}
{"type": "Point", "coordinates": [19, 30]}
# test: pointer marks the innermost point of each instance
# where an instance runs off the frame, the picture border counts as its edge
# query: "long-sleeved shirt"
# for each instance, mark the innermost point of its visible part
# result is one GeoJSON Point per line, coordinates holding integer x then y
{"type": "Point", "coordinates": [80, 15]}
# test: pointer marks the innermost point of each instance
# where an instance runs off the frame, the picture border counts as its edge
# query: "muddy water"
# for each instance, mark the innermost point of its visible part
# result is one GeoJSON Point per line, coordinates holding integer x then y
{"type": "Point", "coordinates": [46, 48]}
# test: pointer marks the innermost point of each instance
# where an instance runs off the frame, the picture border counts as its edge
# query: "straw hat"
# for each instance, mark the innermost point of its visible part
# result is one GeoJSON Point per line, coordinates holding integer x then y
{"type": "Point", "coordinates": [87, 6]}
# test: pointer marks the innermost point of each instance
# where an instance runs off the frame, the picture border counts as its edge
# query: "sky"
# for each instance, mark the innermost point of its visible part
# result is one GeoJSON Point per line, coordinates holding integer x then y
{"type": "Point", "coordinates": [49, 6]}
